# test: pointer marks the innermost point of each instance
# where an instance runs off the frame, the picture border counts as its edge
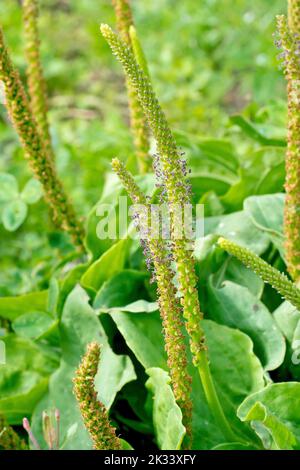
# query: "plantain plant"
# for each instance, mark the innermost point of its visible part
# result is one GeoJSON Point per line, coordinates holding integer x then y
{"type": "Point", "coordinates": [196, 361]}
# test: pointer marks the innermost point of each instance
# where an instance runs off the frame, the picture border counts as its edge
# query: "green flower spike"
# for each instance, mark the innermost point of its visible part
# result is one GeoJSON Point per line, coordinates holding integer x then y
{"type": "Point", "coordinates": [289, 43]}
{"type": "Point", "coordinates": [268, 273]}
{"type": "Point", "coordinates": [173, 173]}
{"type": "Point", "coordinates": [9, 439]}
{"type": "Point", "coordinates": [138, 122]}
{"type": "Point", "coordinates": [42, 167]}
{"type": "Point", "coordinates": [36, 82]}
{"type": "Point", "coordinates": [94, 413]}
{"type": "Point", "coordinates": [294, 16]}
{"type": "Point", "coordinates": [169, 307]}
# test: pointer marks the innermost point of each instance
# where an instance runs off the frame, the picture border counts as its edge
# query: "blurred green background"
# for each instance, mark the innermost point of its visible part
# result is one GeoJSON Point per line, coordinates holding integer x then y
{"type": "Point", "coordinates": [208, 59]}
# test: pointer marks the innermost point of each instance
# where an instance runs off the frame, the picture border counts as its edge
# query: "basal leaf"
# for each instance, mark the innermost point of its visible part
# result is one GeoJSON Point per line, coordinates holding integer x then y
{"type": "Point", "coordinates": [277, 409]}
{"type": "Point", "coordinates": [235, 306]}
{"type": "Point", "coordinates": [122, 289]}
{"type": "Point", "coordinates": [12, 307]}
{"type": "Point", "coordinates": [109, 264]}
{"type": "Point", "coordinates": [167, 416]}
{"type": "Point", "coordinates": [235, 368]}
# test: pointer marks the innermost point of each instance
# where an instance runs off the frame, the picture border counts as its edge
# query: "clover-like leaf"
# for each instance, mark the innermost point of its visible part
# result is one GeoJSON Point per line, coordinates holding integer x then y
{"type": "Point", "coordinates": [14, 214]}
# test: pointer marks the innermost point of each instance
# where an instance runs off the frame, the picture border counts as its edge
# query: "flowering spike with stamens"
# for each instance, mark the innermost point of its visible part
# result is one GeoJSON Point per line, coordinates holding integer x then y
{"type": "Point", "coordinates": [137, 118]}
{"type": "Point", "coordinates": [289, 42]}
{"type": "Point", "coordinates": [26, 426]}
{"type": "Point", "coordinates": [94, 413]}
{"type": "Point", "coordinates": [35, 77]}
{"type": "Point", "coordinates": [9, 439]}
{"type": "Point", "coordinates": [268, 273]}
{"type": "Point", "coordinates": [178, 194]}
{"type": "Point", "coordinates": [35, 151]}
{"type": "Point", "coordinates": [169, 306]}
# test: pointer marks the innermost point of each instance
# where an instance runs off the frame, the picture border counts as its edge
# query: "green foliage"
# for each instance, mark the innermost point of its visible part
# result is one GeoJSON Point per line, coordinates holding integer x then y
{"type": "Point", "coordinates": [167, 417]}
{"type": "Point", "coordinates": [274, 414]}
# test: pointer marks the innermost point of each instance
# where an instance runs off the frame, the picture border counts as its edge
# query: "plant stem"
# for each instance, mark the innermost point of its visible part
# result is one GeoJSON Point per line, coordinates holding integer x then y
{"type": "Point", "coordinates": [212, 397]}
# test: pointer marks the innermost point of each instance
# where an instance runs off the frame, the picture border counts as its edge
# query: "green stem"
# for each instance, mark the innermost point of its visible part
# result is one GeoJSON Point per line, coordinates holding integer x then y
{"type": "Point", "coordinates": [212, 397]}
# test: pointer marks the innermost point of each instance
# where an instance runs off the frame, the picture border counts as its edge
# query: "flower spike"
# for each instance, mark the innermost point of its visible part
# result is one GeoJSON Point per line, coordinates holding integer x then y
{"type": "Point", "coordinates": [268, 273]}
{"type": "Point", "coordinates": [178, 193]}
{"type": "Point", "coordinates": [35, 77]}
{"type": "Point", "coordinates": [138, 123]}
{"type": "Point", "coordinates": [35, 151]}
{"type": "Point", "coordinates": [169, 306]}
{"type": "Point", "coordinates": [289, 43]}
{"type": "Point", "coordinates": [94, 413]}
{"type": "Point", "coordinates": [294, 16]}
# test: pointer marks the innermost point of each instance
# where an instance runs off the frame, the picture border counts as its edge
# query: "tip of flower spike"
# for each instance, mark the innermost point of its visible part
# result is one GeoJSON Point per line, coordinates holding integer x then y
{"type": "Point", "coordinates": [222, 241]}
{"type": "Point", "coordinates": [132, 31]}
{"type": "Point", "coordinates": [26, 425]}
{"type": "Point", "coordinates": [116, 164]}
{"type": "Point", "coordinates": [105, 29]}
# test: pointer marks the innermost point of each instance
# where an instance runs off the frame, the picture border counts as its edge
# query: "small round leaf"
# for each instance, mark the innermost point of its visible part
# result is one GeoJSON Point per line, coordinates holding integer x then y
{"type": "Point", "coordinates": [32, 191]}
{"type": "Point", "coordinates": [14, 215]}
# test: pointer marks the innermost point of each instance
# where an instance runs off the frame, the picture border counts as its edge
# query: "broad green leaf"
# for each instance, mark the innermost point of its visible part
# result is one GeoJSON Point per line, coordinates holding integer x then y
{"type": "Point", "coordinates": [240, 274]}
{"type": "Point", "coordinates": [8, 187]}
{"type": "Point", "coordinates": [109, 264]}
{"type": "Point", "coordinates": [24, 377]}
{"type": "Point", "coordinates": [140, 306]}
{"type": "Point", "coordinates": [24, 354]}
{"type": "Point", "coordinates": [234, 446]}
{"type": "Point", "coordinates": [287, 318]}
{"type": "Point", "coordinates": [236, 370]}
{"type": "Point", "coordinates": [34, 325]}
{"type": "Point", "coordinates": [20, 392]}
{"type": "Point", "coordinates": [167, 416]}
{"type": "Point", "coordinates": [32, 191]}
{"type": "Point", "coordinates": [14, 214]}
{"type": "Point", "coordinates": [13, 307]}
{"type": "Point", "coordinates": [122, 289]}
{"type": "Point", "coordinates": [59, 289]}
{"type": "Point", "coordinates": [277, 409]}
{"type": "Point", "coordinates": [203, 182]}
{"type": "Point", "coordinates": [254, 133]}
{"type": "Point", "coordinates": [273, 180]}
{"type": "Point", "coordinates": [259, 170]}
{"type": "Point", "coordinates": [80, 326]}
{"type": "Point", "coordinates": [239, 228]}
{"type": "Point", "coordinates": [266, 212]}
{"type": "Point", "coordinates": [143, 335]}
{"type": "Point", "coordinates": [212, 204]}
{"type": "Point", "coordinates": [221, 151]}
{"type": "Point", "coordinates": [111, 192]}
{"type": "Point", "coordinates": [235, 306]}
